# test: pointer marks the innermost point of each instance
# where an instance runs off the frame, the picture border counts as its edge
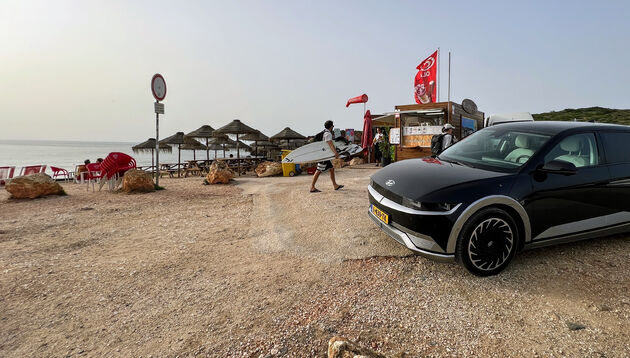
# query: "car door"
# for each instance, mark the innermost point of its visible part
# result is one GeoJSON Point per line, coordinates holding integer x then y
{"type": "Point", "coordinates": [562, 204]}
{"type": "Point", "coordinates": [617, 152]}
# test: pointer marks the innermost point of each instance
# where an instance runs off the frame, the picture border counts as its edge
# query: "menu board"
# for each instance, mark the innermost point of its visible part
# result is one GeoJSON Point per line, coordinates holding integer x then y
{"type": "Point", "coordinates": [394, 136]}
{"type": "Point", "coordinates": [419, 136]}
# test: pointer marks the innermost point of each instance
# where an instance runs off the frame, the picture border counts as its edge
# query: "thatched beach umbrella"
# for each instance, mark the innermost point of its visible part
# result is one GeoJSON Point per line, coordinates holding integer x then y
{"type": "Point", "coordinates": [176, 139]}
{"type": "Point", "coordinates": [194, 145]}
{"type": "Point", "coordinates": [287, 134]}
{"type": "Point", "coordinates": [204, 131]}
{"type": "Point", "coordinates": [236, 127]}
{"type": "Point", "coordinates": [265, 146]}
{"type": "Point", "coordinates": [149, 146]}
{"type": "Point", "coordinates": [241, 145]}
{"type": "Point", "coordinates": [220, 139]}
{"type": "Point", "coordinates": [255, 137]}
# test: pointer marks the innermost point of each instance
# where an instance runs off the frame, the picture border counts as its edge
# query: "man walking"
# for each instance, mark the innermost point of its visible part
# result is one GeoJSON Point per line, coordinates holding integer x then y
{"type": "Point", "coordinates": [327, 165]}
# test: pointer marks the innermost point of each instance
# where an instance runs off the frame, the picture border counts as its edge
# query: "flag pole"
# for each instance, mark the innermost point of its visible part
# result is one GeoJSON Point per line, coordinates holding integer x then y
{"type": "Point", "coordinates": [438, 75]}
{"type": "Point", "coordinates": [449, 76]}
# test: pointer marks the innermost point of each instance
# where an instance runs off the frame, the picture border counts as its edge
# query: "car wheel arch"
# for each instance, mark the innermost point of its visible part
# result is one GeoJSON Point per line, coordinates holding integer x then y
{"type": "Point", "coordinates": [506, 203]}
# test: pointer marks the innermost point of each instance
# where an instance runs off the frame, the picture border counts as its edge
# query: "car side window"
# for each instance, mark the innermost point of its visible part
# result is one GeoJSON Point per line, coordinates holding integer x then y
{"type": "Point", "coordinates": [578, 149]}
{"type": "Point", "coordinates": [615, 146]}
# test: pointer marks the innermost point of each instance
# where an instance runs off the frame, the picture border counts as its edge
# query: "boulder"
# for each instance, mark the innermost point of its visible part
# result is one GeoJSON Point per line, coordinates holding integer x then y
{"type": "Point", "coordinates": [219, 172]}
{"type": "Point", "coordinates": [267, 169]}
{"type": "Point", "coordinates": [339, 347]}
{"type": "Point", "coordinates": [357, 161]}
{"type": "Point", "coordinates": [338, 163]}
{"type": "Point", "coordinates": [33, 186]}
{"type": "Point", "coordinates": [136, 180]}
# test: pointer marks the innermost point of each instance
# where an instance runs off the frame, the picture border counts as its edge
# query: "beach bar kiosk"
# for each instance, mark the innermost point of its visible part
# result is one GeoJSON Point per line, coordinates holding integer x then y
{"type": "Point", "coordinates": [413, 125]}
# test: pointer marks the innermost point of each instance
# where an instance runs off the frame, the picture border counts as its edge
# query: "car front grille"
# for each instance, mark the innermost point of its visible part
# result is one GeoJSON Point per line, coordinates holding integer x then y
{"type": "Point", "coordinates": [386, 193]}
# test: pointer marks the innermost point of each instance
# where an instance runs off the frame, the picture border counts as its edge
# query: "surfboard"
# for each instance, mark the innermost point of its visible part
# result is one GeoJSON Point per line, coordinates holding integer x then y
{"type": "Point", "coordinates": [320, 151]}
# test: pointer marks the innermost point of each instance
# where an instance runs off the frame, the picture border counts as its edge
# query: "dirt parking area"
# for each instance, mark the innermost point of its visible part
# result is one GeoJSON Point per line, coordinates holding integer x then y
{"type": "Point", "coordinates": [262, 268]}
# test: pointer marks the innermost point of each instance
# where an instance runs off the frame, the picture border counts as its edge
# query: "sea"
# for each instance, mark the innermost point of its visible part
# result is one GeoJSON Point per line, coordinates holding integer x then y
{"type": "Point", "coordinates": [69, 154]}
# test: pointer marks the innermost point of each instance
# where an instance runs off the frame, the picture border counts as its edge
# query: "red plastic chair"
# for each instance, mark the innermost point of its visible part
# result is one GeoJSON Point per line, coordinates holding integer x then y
{"type": "Point", "coordinates": [32, 169]}
{"type": "Point", "coordinates": [6, 173]}
{"type": "Point", "coordinates": [93, 174]}
{"type": "Point", "coordinates": [60, 173]}
{"type": "Point", "coordinates": [115, 165]}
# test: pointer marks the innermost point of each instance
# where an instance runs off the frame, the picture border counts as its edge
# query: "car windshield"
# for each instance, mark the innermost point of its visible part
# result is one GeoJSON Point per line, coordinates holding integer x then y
{"type": "Point", "coordinates": [495, 148]}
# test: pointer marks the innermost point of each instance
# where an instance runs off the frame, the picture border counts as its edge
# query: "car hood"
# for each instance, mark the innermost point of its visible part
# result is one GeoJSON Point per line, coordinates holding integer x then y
{"type": "Point", "coordinates": [415, 178]}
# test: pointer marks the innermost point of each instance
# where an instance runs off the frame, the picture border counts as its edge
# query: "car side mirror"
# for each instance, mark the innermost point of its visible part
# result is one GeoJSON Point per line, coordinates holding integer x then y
{"type": "Point", "coordinates": [559, 167]}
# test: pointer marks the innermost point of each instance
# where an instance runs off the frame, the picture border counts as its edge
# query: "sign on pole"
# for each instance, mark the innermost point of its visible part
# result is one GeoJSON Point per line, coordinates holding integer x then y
{"type": "Point", "coordinates": [158, 88]}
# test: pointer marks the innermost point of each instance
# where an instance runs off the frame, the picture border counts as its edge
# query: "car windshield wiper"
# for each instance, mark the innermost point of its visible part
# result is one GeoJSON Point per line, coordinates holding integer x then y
{"type": "Point", "coordinates": [457, 162]}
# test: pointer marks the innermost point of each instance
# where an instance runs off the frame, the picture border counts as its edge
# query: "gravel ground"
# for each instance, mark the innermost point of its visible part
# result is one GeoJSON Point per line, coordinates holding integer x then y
{"type": "Point", "coordinates": [262, 268]}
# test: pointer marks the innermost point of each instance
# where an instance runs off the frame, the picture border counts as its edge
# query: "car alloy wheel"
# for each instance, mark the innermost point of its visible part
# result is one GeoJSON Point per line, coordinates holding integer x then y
{"type": "Point", "coordinates": [488, 242]}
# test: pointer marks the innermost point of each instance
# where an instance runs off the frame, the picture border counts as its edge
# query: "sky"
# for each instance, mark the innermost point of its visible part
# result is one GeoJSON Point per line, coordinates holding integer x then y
{"type": "Point", "coordinates": [81, 70]}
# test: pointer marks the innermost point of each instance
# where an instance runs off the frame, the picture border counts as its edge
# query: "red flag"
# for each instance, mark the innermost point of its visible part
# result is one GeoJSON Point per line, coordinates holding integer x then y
{"type": "Point", "coordinates": [366, 138]}
{"type": "Point", "coordinates": [424, 84]}
{"type": "Point", "coordinates": [358, 99]}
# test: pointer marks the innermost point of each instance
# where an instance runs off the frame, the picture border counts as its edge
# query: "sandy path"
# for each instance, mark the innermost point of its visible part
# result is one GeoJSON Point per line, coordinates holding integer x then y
{"type": "Point", "coordinates": [263, 267]}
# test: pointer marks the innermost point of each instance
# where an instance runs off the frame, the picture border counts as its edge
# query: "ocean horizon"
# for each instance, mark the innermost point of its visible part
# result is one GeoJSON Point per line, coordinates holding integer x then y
{"type": "Point", "coordinates": [68, 154]}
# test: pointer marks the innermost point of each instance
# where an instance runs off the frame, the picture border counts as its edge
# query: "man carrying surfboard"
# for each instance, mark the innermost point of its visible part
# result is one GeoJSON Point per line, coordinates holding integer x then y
{"type": "Point", "coordinates": [326, 165]}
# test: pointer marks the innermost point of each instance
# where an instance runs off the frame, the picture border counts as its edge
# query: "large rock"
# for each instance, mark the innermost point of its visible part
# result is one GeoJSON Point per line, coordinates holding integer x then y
{"type": "Point", "coordinates": [33, 186]}
{"type": "Point", "coordinates": [338, 163]}
{"type": "Point", "coordinates": [339, 347]}
{"type": "Point", "coordinates": [357, 161]}
{"type": "Point", "coordinates": [267, 169]}
{"type": "Point", "coordinates": [136, 180]}
{"type": "Point", "coordinates": [219, 172]}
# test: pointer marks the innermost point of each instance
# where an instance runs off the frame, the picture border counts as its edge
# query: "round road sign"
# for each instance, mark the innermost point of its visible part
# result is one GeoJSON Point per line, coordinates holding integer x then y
{"type": "Point", "coordinates": [158, 87]}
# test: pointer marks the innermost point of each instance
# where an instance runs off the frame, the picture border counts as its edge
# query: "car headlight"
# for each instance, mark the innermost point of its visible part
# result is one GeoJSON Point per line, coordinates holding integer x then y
{"type": "Point", "coordinates": [413, 204]}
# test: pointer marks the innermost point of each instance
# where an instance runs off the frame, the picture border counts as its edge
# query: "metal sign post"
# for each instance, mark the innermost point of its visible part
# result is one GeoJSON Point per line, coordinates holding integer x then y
{"type": "Point", "coordinates": [158, 87]}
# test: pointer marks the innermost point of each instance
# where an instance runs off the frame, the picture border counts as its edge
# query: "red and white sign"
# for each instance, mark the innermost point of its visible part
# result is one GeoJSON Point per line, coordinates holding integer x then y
{"type": "Point", "coordinates": [425, 90]}
{"type": "Point", "coordinates": [158, 87]}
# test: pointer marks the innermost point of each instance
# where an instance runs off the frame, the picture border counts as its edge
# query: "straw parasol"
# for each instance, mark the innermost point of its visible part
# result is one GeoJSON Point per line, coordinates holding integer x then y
{"type": "Point", "coordinates": [220, 139]}
{"type": "Point", "coordinates": [241, 145]}
{"type": "Point", "coordinates": [265, 145]}
{"type": "Point", "coordinates": [149, 146]}
{"type": "Point", "coordinates": [236, 127]}
{"type": "Point", "coordinates": [191, 144]}
{"type": "Point", "coordinates": [255, 137]}
{"type": "Point", "coordinates": [204, 131]}
{"type": "Point", "coordinates": [287, 134]}
{"type": "Point", "coordinates": [176, 139]}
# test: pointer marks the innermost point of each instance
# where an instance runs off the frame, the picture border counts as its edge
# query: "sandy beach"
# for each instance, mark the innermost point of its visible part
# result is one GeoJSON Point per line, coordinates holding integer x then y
{"type": "Point", "coordinates": [262, 268]}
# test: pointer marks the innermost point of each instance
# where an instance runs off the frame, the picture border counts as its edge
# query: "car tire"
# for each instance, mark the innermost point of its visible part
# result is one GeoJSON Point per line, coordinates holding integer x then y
{"type": "Point", "coordinates": [488, 242]}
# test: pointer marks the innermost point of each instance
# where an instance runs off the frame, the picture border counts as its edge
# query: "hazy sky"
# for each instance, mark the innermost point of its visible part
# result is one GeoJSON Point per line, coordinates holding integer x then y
{"type": "Point", "coordinates": [81, 70]}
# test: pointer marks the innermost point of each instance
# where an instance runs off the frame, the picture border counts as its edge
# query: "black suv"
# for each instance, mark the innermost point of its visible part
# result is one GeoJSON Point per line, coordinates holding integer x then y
{"type": "Point", "coordinates": [505, 188]}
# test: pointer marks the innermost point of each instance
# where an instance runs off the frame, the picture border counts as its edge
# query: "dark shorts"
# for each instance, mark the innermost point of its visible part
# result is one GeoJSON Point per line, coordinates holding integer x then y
{"type": "Point", "coordinates": [323, 166]}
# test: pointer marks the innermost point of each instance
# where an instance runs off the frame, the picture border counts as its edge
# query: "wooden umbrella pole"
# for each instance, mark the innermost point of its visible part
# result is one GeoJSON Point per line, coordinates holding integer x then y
{"type": "Point", "coordinates": [208, 152]}
{"type": "Point", "coordinates": [179, 159]}
{"type": "Point", "coordinates": [238, 156]}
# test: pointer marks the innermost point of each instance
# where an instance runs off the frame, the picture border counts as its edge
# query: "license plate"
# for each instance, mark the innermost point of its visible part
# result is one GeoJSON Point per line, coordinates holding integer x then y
{"type": "Point", "coordinates": [379, 214]}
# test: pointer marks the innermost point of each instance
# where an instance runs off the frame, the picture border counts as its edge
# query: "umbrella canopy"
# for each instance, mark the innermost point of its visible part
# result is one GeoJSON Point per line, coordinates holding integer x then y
{"type": "Point", "coordinates": [149, 146]}
{"type": "Point", "coordinates": [241, 145]}
{"type": "Point", "coordinates": [220, 140]}
{"type": "Point", "coordinates": [192, 144]}
{"type": "Point", "coordinates": [287, 133]}
{"type": "Point", "coordinates": [176, 139]}
{"type": "Point", "coordinates": [236, 127]}
{"type": "Point", "coordinates": [204, 132]}
{"type": "Point", "coordinates": [255, 136]}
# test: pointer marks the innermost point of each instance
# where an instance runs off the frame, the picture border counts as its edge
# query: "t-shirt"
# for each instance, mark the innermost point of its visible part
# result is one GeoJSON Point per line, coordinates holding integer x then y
{"type": "Point", "coordinates": [327, 136]}
{"type": "Point", "coordinates": [378, 138]}
{"type": "Point", "coordinates": [448, 140]}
